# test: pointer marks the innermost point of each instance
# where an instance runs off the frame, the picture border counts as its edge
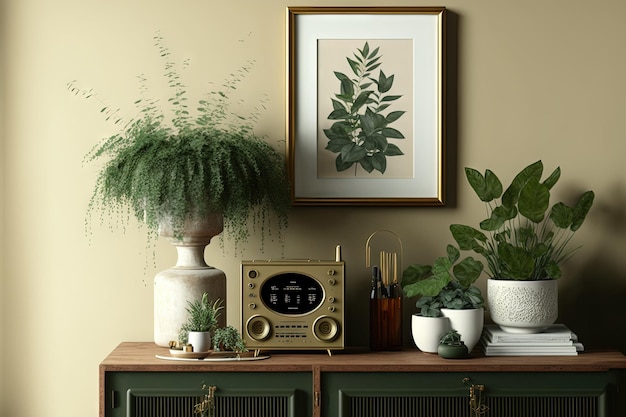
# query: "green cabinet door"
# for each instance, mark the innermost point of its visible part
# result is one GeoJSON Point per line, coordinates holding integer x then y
{"type": "Point", "coordinates": [238, 394]}
{"type": "Point", "coordinates": [506, 394]}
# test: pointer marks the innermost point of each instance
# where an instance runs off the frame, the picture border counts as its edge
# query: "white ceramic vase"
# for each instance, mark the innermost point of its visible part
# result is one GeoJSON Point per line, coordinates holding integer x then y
{"type": "Point", "coordinates": [523, 306]}
{"type": "Point", "coordinates": [427, 331]}
{"type": "Point", "coordinates": [188, 279]}
{"type": "Point", "coordinates": [468, 323]}
{"type": "Point", "coordinates": [200, 341]}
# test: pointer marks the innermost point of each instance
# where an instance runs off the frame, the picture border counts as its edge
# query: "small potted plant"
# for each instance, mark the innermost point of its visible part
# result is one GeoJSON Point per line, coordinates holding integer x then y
{"type": "Point", "coordinates": [447, 298]}
{"type": "Point", "coordinates": [201, 323]}
{"type": "Point", "coordinates": [228, 339]}
{"type": "Point", "coordinates": [524, 242]}
{"type": "Point", "coordinates": [451, 346]}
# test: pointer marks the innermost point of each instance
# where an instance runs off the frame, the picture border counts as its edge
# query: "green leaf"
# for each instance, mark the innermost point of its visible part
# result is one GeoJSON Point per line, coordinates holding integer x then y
{"type": "Point", "coordinates": [466, 236]}
{"type": "Point", "coordinates": [467, 271]}
{"type": "Point", "coordinates": [340, 165]}
{"type": "Point", "coordinates": [360, 101]}
{"type": "Point", "coordinates": [534, 200]}
{"type": "Point", "coordinates": [561, 215]}
{"type": "Point", "coordinates": [553, 178]}
{"type": "Point", "coordinates": [390, 98]}
{"type": "Point", "coordinates": [354, 65]}
{"type": "Point", "coordinates": [336, 145]}
{"type": "Point", "coordinates": [581, 209]}
{"type": "Point", "coordinates": [352, 152]}
{"type": "Point", "coordinates": [379, 162]}
{"type": "Point", "coordinates": [518, 263]}
{"type": "Point", "coordinates": [453, 253]}
{"type": "Point", "coordinates": [393, 150]}
{"type": "Point", "coordinates": [511, 195]}
{"type": "Point", "coordinates": [393, 116]}
{"type": "Point", "coordinates": [487, 187]}
{"type": "Point", "coordinates": [392, 133]}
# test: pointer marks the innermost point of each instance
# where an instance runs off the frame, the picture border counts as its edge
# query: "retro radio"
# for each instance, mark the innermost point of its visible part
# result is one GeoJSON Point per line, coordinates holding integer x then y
{"type": "Point", "coordinates": [293, 304]}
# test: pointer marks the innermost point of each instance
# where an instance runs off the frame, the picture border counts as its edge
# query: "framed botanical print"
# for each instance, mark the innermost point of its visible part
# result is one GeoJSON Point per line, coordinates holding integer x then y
{"type": "Point", "coordinates": [366, 119]}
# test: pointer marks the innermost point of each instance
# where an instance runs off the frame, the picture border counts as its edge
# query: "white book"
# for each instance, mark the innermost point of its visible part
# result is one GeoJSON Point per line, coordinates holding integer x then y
{"type": "Point", "coordinates": [526, 350]}
{"type": "Point", "coordinates": [557, 333]}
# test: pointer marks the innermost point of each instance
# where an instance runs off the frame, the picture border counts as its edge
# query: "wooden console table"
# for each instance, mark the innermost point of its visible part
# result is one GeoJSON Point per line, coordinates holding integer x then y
{"type": "Point", "coordinates": [135, 383]}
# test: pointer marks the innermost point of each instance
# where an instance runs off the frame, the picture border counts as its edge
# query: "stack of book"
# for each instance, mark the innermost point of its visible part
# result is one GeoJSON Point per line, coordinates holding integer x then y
{"type": "Point", "coordinates": [556, 340]}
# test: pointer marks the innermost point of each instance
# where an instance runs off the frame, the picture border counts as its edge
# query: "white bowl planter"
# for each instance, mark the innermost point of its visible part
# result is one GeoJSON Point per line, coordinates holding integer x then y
{"type": "Point", "coordinates": [468, 323]}
{"type": "Point", "coordinates": [427, 331]}
{"type": "Point", "coordinates": [522, 306]}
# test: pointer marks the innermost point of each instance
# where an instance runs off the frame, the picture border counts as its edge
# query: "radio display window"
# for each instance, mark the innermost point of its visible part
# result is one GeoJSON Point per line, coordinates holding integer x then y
{"type": "Point", "coordinates": [292, 293]}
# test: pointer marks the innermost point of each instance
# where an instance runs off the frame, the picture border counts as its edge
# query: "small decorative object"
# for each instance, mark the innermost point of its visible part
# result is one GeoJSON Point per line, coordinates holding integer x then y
{"type": "Point", "coordinates": [201, 323]}
{"type": "Point", "coordinates": [173, 170]}
{"type": "Point", "coordinates": [446, 289]}
{"type": "Point", "coordinates": [385, 297]}
{"type": "Point", "coordinates": [522, 239]}
{"type": "Point", "coordinates": [206, 408]}
{"type": "Point", "coordinates": [228, 339]}
{"type": "Point", "coordinates": [451, 346]}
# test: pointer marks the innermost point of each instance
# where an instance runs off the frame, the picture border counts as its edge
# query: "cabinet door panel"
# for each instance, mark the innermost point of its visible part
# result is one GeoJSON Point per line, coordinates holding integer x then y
{"type": "Point", "coordinates": [447, 394]}
{"type": "Point", "coordinates": [171, 394]}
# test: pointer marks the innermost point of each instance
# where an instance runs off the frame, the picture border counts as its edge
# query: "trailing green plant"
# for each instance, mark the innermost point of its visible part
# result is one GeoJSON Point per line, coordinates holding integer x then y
{"type": "Point", "coordinates": [228, 338]}
{"type": "Point", "coordinates": [447, 283]}
{"type": "Point", "coordinates": [523, 237]}
{"type": "Point", "coordinates": [202, 316]}
{"type": "Point", "coordinates": [185, 165]}
{"type": "Point", "coordinates": [361, 131]}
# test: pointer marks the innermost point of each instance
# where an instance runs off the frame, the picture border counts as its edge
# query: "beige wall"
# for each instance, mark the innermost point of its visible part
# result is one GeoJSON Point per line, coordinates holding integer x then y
{"type": "Point", "coordinates": [536, 80]}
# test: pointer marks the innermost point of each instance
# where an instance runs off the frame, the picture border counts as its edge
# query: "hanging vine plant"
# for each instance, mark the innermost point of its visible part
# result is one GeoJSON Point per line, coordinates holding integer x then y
{"type": "Point", "coordinates": [188, 165]}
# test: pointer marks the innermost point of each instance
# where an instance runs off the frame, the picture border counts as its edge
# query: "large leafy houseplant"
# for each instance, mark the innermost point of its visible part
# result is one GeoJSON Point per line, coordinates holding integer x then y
{"type": "Point", "coordinates": [181, 166]}
{"type": "Point", "coordinates": [523, 237]}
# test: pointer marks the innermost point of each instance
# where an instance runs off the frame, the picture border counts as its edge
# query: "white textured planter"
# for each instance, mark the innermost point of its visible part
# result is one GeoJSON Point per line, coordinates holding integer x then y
{"type": "Point", "coordinates": [523, 306]}
{"type": "Point", "coordinates": [427, 331]}
{"type": "Point", "coordinates": [188, 280]}
{"type": "Point", "coordinates": [201, 341]}
{"type": "Point", "coordinates": [468, 323]}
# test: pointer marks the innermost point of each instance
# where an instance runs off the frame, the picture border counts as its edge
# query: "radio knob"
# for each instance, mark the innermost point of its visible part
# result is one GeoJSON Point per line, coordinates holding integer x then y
{"type": "Point", "coordinates": [332, 281]}
{"type": "Point", "coordinates": [251, 285]}
{"type": "Point", "coordinates": [251, 306]}
{"type": "Point", "coordinates": [331, 309]}
{"type": "Point", "coordinates": [331, 299]}
{"type": "Point", "coordinates": [252, 274]}
{"type": "Point", "coordinates": [331, 272]}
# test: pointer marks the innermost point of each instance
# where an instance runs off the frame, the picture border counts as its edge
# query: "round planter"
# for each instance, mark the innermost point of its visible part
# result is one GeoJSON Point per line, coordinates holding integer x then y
{"type": "Point", "coordinates": [522, 306]}
{"type": "Point", "coordinates": [201, 341]}
{"type": "Point", "coordinates": [188, 279]}
{"type": "Point", "coordinates": [452, 351]}
{"type": "Point", "coordinates": [427, 331]}
{"type": "Point", "coordinates": [468, 323]}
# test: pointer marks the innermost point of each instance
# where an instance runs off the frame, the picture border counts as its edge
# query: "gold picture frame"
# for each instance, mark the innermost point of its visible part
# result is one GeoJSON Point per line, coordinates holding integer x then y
{"type": "Point", "coordinates": [365, 105]}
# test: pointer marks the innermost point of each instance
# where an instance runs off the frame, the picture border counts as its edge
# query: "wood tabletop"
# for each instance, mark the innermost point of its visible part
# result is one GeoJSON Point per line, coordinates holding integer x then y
{"type": "Point", "coordinates": [142, 357]}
